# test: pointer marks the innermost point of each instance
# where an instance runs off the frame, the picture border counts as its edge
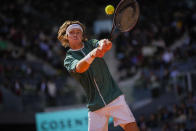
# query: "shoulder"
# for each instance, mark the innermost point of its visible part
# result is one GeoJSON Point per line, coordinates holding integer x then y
{"type": "Point", "coordinates": [73, 55]}
{"type": "Point", "coordinates": [70, 61]}
{"type": "Point", "coordinates": [68, 56]}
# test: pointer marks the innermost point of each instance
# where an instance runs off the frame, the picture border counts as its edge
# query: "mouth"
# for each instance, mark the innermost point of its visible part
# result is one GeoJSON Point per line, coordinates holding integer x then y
{"type": "Point", "coordinates": [75, 38]}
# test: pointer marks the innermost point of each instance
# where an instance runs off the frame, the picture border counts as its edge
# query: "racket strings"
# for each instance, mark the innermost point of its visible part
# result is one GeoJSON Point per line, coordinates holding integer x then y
{"type": "Point", "coordinates": [127, 14]}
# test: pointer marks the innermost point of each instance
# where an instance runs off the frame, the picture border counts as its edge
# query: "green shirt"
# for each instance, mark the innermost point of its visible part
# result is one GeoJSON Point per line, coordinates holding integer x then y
{"type": "Point", "coordinates": [97, 81]}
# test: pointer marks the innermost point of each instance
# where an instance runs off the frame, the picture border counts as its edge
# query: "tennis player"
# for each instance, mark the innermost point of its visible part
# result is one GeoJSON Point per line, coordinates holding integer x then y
{"type": "Point", "coordinates": [84, 61]}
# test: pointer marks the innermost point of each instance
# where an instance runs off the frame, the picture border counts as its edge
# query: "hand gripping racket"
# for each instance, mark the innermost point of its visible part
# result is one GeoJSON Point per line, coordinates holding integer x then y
{"type": "Point", "coordinates": [125, 16]}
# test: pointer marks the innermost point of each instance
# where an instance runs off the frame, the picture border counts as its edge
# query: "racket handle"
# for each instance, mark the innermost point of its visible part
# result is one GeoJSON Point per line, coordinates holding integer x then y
{"type": "Point", "coordinates": [110, 38]}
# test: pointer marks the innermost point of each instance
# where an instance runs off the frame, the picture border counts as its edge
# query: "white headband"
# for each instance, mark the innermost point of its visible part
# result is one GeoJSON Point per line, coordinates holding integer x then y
{"type": "Point", "coordinates": [73, 26]}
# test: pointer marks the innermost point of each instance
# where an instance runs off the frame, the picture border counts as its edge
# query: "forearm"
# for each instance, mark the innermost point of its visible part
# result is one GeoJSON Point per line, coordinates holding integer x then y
{"type": "Point", "coordinates": [84, 63]}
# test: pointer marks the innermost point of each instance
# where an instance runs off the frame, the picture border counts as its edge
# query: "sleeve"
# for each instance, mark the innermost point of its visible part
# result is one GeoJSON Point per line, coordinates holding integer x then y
{"type": "Point", "coordinates": [70, 64]}
{"type": "Point", "coordinates": [94, 43]}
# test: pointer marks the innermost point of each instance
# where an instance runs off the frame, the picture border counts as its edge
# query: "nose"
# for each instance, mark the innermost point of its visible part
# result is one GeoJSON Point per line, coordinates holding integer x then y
{"type": "Point", "coordinates": [75, 34]}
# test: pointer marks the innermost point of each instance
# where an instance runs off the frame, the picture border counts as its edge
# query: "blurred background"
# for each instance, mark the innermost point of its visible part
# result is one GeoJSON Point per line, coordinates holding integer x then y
{"type": "Point", "coordinates": [154, 64]}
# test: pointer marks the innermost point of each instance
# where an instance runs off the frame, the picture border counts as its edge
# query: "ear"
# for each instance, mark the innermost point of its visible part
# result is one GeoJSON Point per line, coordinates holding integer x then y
{"type": "Point", "coordinates": [66, 36]}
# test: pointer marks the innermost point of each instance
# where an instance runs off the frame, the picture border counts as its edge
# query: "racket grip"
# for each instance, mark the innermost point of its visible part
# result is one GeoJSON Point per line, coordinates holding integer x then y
{"type": "Point", "coordinates": [111, 33]}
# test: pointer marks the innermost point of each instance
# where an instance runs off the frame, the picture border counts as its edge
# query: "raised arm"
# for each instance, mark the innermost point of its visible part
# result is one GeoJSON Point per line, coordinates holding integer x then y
{"type": "Point", "coordinates": [84, 64]}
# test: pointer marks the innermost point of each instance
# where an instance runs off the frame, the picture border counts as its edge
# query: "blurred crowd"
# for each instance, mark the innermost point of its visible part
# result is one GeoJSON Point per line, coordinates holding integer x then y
{"type": "Point", "coordinates": [173, 117]}
{"type": "Point", "coordinates": [164, 35]}
{"type": "Point", "coordinates": [162, 46]}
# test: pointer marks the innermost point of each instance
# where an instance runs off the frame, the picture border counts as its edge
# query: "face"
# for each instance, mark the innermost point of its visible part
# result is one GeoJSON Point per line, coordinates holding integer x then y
{"type": "Point", "coordinates": [75, 36]}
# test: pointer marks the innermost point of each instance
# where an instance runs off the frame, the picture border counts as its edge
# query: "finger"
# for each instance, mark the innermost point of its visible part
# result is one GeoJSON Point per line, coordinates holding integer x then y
{"type": "Point", "coordinates": [101, 55]}
{"type": "Point", "coordinates": [97, 52]}
{"type": "Point", "coordinates": [109, 44]}
{"type": "Point", "coordinates": [108, 41]}
{"type": "Point", "coordinates": [105, 42]}
{"type": "Point", "coordinates": [98, 55]}
{"type": "Point", "coordinates": [100, 49]}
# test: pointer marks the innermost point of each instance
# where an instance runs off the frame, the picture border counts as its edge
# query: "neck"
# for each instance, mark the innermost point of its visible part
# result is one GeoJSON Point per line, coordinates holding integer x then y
{"type": "Point", "coordinates": [76, 46]}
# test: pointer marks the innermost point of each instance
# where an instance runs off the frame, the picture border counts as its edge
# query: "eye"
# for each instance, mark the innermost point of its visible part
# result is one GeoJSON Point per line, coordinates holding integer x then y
{"type": "Point", "coordinates": [78, 32]}
{"type": "Point", "coordinates": [71, 32]}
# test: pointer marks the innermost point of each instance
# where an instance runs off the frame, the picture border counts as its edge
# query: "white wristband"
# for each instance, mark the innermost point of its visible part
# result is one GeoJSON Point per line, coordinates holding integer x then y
{"type": "Point", "coordinates": [89, 59]}
{"type": "Point", "coordinates": [101, 43]}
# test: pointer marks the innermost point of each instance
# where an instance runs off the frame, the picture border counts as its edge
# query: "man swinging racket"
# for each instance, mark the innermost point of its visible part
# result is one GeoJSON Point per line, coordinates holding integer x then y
{"type": "Point", "coordinates": [84, 61]}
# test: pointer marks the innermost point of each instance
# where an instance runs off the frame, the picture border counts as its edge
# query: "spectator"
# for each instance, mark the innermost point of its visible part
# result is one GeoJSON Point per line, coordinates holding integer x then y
{"type": "Point", "coordinates": [142, 123]}
{"type": "Point", "coordinates": [18, 87]}
{"type": "Point", "coordinates": [166, 127]}
{"type": "Point", "coordinates": [167, 57]}
{"type": "Point", "coordinates": [191, 100]}
{"type": "Point", "coordinates": [154, 86]}
{"type": "Point", "coordinates": [42, 87]}
{"type": "Point", "coordinates": [51, 92]}
{"type": "Point", "coordinates": [152, 122]}
{"type": "Point", "coordinates": [181, 117]}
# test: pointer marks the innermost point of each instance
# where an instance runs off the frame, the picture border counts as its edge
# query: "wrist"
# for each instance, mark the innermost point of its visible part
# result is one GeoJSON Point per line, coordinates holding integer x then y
{"type": "Point", "coordinates": [89, 58]}
{"type": "Point", "coordinates": [91, 55]}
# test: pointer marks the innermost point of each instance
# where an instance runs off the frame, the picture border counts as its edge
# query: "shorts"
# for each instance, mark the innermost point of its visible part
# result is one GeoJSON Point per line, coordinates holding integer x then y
{"type": "Point", "coordinates": [118, 109]}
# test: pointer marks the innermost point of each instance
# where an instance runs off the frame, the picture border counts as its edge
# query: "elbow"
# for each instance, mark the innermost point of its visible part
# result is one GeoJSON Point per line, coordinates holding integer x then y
{"type": "Point", "coordinates": [80, 70]}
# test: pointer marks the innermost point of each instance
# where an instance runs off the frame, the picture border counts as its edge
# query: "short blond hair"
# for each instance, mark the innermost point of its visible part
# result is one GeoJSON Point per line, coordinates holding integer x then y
{"type": "Point", "coordinates": [62, 32]}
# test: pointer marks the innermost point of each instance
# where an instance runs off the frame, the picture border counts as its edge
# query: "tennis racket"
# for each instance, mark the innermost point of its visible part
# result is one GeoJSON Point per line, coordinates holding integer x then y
{"type": "Point", "coordinates": [125, 16]}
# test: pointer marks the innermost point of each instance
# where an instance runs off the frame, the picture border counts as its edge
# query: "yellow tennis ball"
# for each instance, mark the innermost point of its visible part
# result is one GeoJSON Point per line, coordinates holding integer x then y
{"type": "Point", "coordinates": [109, 9]}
